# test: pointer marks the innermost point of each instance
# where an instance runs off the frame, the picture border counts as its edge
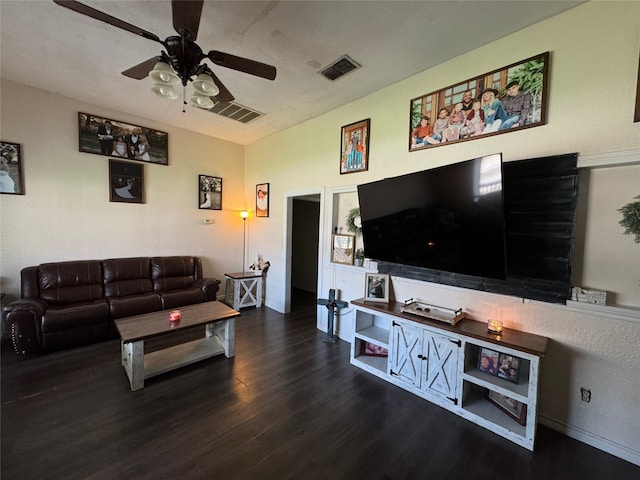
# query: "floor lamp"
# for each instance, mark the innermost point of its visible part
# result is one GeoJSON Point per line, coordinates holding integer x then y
{"type": "Point", "coordinates": [244, 214]}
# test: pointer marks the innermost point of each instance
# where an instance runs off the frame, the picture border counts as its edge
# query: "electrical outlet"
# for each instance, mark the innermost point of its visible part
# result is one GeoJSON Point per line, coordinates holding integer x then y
{"type": "Point", "coordinates": [585, 394]}
{"type": "Point", "coordinates": [208, 221]}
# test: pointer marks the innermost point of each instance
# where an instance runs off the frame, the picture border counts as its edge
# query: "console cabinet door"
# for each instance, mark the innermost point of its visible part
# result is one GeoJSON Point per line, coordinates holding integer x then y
{"type": "Point", "coordinates": [406, 352]}
{"type": "Point", "coordinates": [440, 365]}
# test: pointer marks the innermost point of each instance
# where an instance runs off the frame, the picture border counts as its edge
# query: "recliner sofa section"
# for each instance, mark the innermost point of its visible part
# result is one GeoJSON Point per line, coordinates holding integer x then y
{"type": "Point", "coordinates": [68, 304]}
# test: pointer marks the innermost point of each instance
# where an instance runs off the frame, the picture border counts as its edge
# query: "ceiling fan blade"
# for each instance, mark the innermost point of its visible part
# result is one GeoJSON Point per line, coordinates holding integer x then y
{"type": "Point", "coordinates": [186, 17]}
{"type": "Point", "coordinates": [243, 64]}
{"type": "Point", "coordinates": [224, 95]}
{"type": "Point", "coordinates": [142, 70]}
{"type": "Point", "coordinates": [103, 17]}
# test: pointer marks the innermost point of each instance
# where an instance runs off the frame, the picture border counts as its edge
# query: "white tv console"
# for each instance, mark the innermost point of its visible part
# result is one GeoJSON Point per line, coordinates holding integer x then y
{"type": "Point", "coordinates": [439, 362]}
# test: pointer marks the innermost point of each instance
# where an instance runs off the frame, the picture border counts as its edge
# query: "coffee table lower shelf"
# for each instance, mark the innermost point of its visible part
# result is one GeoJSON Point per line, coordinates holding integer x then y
{"type": "Point", "coordinates": [139, 366]}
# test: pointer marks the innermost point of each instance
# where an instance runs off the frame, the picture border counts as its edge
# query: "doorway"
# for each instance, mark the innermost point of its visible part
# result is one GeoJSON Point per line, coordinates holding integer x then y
{"type": "Point", "coordinates": [303, 218]}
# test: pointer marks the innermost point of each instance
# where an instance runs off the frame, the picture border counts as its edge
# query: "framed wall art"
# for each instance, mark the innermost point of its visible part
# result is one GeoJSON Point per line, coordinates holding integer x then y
{"type": "Point", "coordinates": [354, 147]}
{"type": "Point", "coordinates": [11, 180]}
{"type": "Point", "coordinates": [376, 287]}
{"type": "Point", "coordinates": [504, 100]}
{"type": "Point", "coordinates": [114, 138]}
{"type": "Point", "coordinates": [209, 192]}
{"type": "Point", "coordinates": [342, 248]}
{"type": "Point", "coordinates": [126, 182]}
{"type": "Point", "coordinates": [262, 200]}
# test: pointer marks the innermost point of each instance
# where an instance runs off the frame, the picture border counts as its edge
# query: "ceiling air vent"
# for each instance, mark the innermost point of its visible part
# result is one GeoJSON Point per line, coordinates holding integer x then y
{"type": "Point", "coordinates": [235, 111]}
{"type": "Point", "coordinates": [339, 68]}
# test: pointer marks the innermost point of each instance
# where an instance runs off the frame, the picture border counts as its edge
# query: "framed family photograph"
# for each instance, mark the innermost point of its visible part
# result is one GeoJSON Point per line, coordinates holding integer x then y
{"type": "Point", "coordinates": [126, 182]}
{"type": "Point", "coordinates": [262, 200]}
{"type": "Point", "coordinates": [209, 192]}
{"type": "Point", "coordinates": [509, 368]}
{"type": "Point", "coordinates": [354, 147]}
{"type": "Point", "coordinates": [515, 409]}
{"type": "Point", "coordinates": [501, 101]}
{"type": "Point", "coordinates": [372, 350]}
{"type": "Point", "coordinates": [376, 287]}
{"type": "Point", "coordinates": [488, 361]}
{"type": "Point", "coordinates": [114, 138]}
{"type": "Point", "coordinates": [342, 248]}
{"type": "Point", "coordinates": [11, 180]}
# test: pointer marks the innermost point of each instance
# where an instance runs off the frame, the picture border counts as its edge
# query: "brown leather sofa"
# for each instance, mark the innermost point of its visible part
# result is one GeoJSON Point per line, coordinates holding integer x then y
{"type": "Point", "coordinates": [68, 304]}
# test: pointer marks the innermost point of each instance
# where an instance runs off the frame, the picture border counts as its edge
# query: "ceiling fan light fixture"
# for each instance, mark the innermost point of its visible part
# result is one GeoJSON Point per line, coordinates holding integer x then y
{"type": "Point", "coordinates": [204, 85]}
{"type": "Point", "coordinates": [163, 73]}
{"type": "Point", "coordinates": [201, 101]}
{"type": "Point", "coordinates": [164, 91]}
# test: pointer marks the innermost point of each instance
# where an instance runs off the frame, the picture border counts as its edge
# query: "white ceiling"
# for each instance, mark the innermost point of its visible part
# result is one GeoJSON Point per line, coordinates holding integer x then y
{"type": "Point", "coordinates": [49, 47]}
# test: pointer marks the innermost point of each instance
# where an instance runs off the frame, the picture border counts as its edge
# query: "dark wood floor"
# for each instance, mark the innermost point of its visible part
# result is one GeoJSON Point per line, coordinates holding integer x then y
{"type": "Point", "coordinates": [288, 406]}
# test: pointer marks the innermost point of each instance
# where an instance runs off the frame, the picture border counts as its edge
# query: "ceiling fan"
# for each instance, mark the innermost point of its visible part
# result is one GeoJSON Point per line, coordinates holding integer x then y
{"type": "Point", "coordinates": [181, 58]}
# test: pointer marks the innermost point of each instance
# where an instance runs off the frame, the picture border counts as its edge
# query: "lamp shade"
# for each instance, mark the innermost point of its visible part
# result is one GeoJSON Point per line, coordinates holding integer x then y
{"type": "Point", "coordinates": [244, 214]}
{"type": "Point", "coordinates": [163, 73]}
{"type": "Point", "coordinates": [201, 101]}
{"type": "Point", "coordinates": [203, 84]}
{"type": "Point", "coordinates": [164, 91]}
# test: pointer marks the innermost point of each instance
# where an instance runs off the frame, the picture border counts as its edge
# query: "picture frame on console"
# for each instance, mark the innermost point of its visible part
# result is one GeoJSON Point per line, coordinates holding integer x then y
{"type": "Point", "coordinates": [126, 182]}
{"type": "Point", "coordinates": [354, 147]}
{"type": "Point", "coordinates": [209, 192]}
{"type": "Point", "coordinates": [11, 179]}
{"type": "Point", "coordinates": [513, 408]}
{"type": "Point", "coordinates": [500, 101]}
{"type": "Point", "coordinates": [376, 287]}
{"type": "Point", "coordinates": [114, 138]}
{"type": "Point", "coordinates": [369, 349]}
{"type": "Point", "coordinates": [343, 248]}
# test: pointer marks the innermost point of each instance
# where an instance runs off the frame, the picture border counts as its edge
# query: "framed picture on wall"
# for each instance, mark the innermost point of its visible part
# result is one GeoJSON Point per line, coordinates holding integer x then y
{"type": "Point", "coordinates": [342, 248]}
{"type": "Point", "coordinates": [126, 182]}
{"type": "Point", "coordinates": [262, 200]}
{"type": "Point", "coordinates": [354, 147]}
{"type": "Point", "coordinates": [114, 138]}
{"type": "Point", "coordinates": [11, 180]}
{"type": "Point", "coordinates": [501, 101]}
{"type": "Point", "coordinates": [209, 192]}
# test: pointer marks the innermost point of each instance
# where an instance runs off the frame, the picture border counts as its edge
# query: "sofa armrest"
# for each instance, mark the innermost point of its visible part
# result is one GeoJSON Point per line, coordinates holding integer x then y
{"type": "Point", "coordinates": [209, 287]}
{"type": "Point", "coordinates": [25, 318]}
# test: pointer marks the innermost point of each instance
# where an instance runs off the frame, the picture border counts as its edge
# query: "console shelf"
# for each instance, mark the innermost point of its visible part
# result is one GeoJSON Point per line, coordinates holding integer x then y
{"type": "Point", "coordinates": [441, 363]}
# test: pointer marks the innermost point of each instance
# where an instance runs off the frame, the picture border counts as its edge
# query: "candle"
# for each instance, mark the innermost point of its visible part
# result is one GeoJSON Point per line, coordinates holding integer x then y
{"type": "Point", "coordinates": [494, 326]}
{"type": "Point", "coordinates": [175, 315]}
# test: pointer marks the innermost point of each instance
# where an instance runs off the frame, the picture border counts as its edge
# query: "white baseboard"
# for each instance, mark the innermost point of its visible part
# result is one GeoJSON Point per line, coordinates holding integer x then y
{"type": "Point", "coordinates": [589, 438]}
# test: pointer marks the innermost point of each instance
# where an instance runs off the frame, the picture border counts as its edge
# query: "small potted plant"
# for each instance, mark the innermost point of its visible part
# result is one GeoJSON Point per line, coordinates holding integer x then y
{"type": "Point", "coordinates": [359, 257]}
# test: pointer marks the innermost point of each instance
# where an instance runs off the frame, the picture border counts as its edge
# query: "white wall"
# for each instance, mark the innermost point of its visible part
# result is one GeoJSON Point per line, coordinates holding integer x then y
{"type": "Point", "coordinates": [593, 72]}
{"type": "Point", "coordinates": [66, 213]}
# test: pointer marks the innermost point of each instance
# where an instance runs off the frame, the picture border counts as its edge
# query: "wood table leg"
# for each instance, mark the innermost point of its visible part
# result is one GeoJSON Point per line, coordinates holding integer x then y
{"type": "Point", "coordinates": [226, 332]}
{"type": "Point", "coordinates": [133, 363]}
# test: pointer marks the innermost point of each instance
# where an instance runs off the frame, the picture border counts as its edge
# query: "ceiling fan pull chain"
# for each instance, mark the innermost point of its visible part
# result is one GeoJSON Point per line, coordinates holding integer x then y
{"type": "Point", "coordinates": [184, 98]}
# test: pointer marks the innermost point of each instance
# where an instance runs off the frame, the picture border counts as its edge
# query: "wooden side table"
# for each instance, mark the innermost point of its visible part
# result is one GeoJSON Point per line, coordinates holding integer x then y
{"type": "Point", "coordinates": [243, 289]}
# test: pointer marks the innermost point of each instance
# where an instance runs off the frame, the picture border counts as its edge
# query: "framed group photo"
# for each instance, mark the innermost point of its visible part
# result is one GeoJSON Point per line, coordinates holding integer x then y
{"type": "Point", "coordinates": [209, 192]}
{"type": "Point", "coordinates": [11, 180]}
{"type": "Point", "coordinates": [376, 287]}
{"type": "Point", "coordinates": [114, 138]}
{"type": "Point", "coordinates": [262, 200]}
{"type": "Point", "coordinates": [126, 182]}
{"type": "Point", "coordinates": [500, 101]}
{"type": "Point", "coordinates": [354, 147]}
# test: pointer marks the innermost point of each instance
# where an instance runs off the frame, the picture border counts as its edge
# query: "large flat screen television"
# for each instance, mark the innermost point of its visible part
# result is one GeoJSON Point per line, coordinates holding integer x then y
{"type": "Point", "coordinates": [448, 218]}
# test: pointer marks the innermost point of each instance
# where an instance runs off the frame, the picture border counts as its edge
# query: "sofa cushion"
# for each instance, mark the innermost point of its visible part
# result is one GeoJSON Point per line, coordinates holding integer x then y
{"type": "Point", "coordinates": [126, 276]}
{"type": "Point", "coordinates": [172, 273]}
{"type": "Point", "coordinates": [180, 298]}
{"type": "Point", "coordinates": [57, 318]}
{"type": "Point", "coordinates": [134, 305]}
{"type": "Point", "coordinates": [64, 283]}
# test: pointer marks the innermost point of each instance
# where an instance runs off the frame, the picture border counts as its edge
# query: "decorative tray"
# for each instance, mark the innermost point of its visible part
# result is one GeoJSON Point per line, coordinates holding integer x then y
{"type": "Point", "coordinates": [434, 312]}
